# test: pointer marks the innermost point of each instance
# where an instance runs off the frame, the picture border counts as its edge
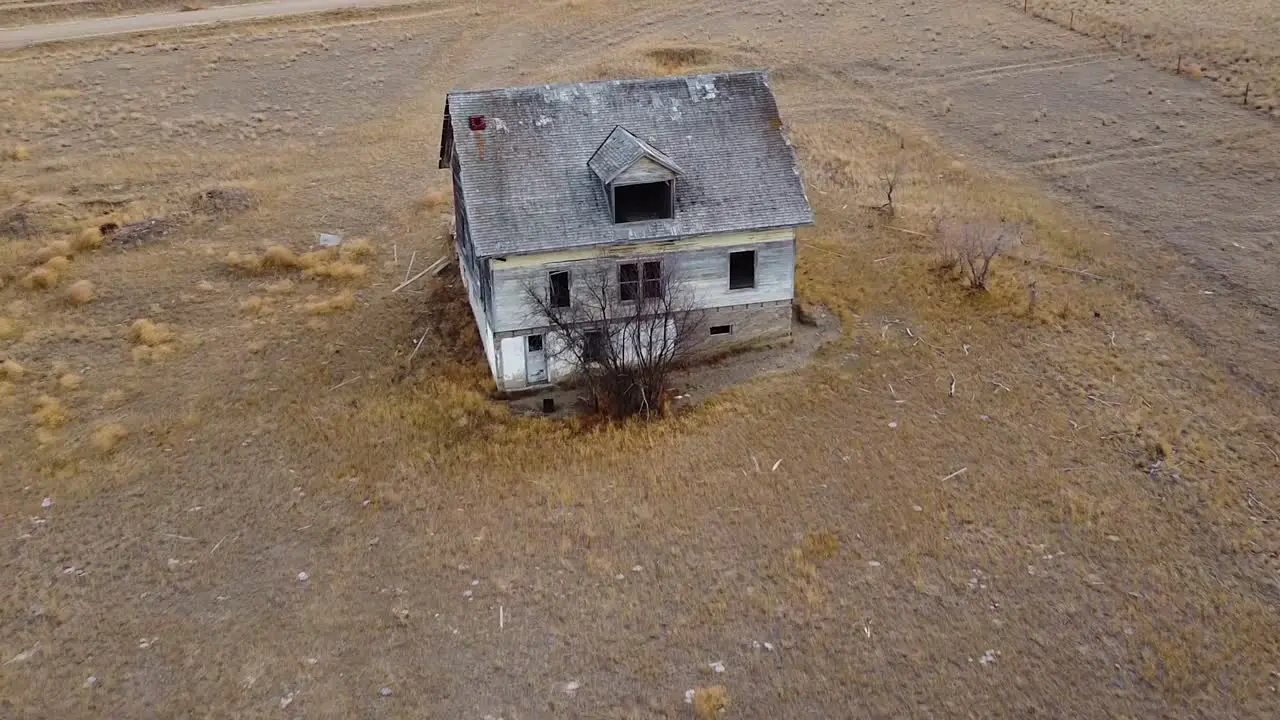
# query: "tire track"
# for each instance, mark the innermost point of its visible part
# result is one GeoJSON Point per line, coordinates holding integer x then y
{"type": "Point", "coordinates": [1143, 154]}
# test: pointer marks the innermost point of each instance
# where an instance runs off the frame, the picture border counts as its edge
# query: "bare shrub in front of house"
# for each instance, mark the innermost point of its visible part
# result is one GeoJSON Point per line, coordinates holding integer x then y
{"type": "Point", "coordinates": [891, 176]}
{"type": "Point", "coordinates": [972, 245]}
{"type": "Point", "coordinates": [624, 331]}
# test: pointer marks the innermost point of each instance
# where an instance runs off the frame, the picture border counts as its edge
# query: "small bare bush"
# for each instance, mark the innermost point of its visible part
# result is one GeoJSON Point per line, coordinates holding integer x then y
{"type": "Point", "coordinates": [972, 246]}
{"type": "Point", "coordinates": [107, 437]}
{"type": "Point", "coordinates": [80, 292]}
{"type": "Point", "coordinates": [70, 381]}
{"type": "Point", "coordinates": [18, 153]}
{"type": "Point", "coordinates": [150, 334]}
{"type": "Point", "coordinates": [8, 328]}
{"type": "Point", "coordinates": [890, 178]}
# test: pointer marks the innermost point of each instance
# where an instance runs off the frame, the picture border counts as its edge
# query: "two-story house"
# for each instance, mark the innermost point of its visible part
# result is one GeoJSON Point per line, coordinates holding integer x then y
{"type": "Point", "coordinates": [677, 175]}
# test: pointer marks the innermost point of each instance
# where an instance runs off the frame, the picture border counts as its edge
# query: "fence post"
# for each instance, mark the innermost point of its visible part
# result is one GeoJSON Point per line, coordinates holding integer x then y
{"type": "Point", "coordinates": [1246, 92]}
{"type": "Point", "coordinates": [1179, 68]}
{"type": "Point", "coordinates": [1072, 25]}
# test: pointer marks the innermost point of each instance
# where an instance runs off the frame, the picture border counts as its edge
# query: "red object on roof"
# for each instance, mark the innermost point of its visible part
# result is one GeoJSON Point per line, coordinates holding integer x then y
{"type": "Point", "coordinates": [476, 122]}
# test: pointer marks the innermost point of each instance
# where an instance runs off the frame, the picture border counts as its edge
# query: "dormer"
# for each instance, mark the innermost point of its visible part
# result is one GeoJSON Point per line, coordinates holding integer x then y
{"type": "Point", "coordinates": [638, 179]}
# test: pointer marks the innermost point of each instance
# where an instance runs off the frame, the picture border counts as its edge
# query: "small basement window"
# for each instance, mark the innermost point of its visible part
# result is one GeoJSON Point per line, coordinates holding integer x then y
{"type": "Point", "coordinates": [721, 329]}
{"type": "Point", "coordinates": [742, 270]}
{"type": "Point", "coordinates": [645, 201]}
{"type": "Point", "coordinates": [559, 296]}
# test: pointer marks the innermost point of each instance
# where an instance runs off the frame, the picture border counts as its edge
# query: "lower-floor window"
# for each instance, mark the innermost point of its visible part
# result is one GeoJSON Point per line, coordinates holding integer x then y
{"type": "Point", "coordinates": [721, 329]}
{"type": "Point", "coordinates": [593, 346]}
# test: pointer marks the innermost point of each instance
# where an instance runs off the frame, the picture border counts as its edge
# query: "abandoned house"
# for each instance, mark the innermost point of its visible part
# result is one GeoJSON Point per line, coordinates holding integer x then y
{"type": "Point", "coordinates": [689, 176]}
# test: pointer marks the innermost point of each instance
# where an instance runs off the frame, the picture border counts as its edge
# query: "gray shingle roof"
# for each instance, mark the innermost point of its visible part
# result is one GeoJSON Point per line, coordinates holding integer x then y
{"type": "Point", "coordinates": [621, 150]}
{"type": "Point", "coordinates": [526, 182]}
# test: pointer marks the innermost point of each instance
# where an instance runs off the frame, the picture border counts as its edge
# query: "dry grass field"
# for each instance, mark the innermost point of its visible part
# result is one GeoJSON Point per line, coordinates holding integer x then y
{"type": "Point", "coordinates": [228, 493]}
{"type": "Point", "coordinates": [1232, 44]}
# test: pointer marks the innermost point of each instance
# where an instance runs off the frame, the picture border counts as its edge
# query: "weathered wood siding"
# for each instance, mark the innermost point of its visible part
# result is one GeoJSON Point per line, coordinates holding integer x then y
{"type": "Point", "coordinates": [643, 171]}
{"type": "Point", "coordinates": [700, 264]}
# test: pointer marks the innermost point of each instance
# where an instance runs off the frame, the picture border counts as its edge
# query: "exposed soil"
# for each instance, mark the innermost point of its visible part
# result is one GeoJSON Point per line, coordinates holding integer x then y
{"type": "Point", "coordinates": [965, 505]}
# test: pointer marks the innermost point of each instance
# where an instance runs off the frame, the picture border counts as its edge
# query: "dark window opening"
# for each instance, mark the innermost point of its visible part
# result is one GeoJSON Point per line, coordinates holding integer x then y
{"type": "Point", "coordinates": [593, 346]}
{"type": "Point", "coordinates": [646, 201]}
{"type": "Point", "coordinates": [559, 289]}
{"type": "Point", "coordinates": [535, 343]}
{"type": "Point", "coordinates": [628, 282]}
{"type": "Point", "coordinates": [742, 270]}
{"type": "Point", "coordinates": [721, 329]}
{"type": "Point", "coordinates": [652, 285]}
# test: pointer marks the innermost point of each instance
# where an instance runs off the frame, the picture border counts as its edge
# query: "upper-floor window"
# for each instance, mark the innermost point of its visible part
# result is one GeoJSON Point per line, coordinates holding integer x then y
{"type": "Point", "coordinates": [559, 294]}
{"type": "Point", "coordinates": [639, 280]}
{"type": "Point", "coordinates": [742, 270]}
{"type": "Point", "coordinates": [643, 201]}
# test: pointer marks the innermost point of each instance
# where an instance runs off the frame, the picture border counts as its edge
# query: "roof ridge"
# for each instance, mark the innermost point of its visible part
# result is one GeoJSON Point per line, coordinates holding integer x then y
{"type": "Point", "coordinates": [613, 81]}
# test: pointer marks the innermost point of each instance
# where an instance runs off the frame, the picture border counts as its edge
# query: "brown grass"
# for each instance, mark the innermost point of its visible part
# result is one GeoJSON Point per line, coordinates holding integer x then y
{"type": "Point", "coordinates": [8, 328]}
{"type": "Point", "coordinates": [107, 437]}
{"type": "Point", "coordinates": [81, 292]}
{"type": "Point", "coordinates": [543, 510]}
{"type": "Point", "coordinates": [18, 153]}
{"type": "Point", "coordinates": [1232, 44]}
{"type": "Point", "coordinates": [70, 381]}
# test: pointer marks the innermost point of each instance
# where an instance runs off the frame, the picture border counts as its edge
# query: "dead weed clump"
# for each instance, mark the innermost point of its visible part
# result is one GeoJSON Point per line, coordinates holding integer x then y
{"type": "Point", "coordinates": [49, 413]}
{"type": "Point", "coordinates": [108, 437]}
{"type": "Point", "coordinates": [41, 278]}
{"type": "Point", "coordinates": [709, 703]}
{"type": "Point", "coordinates": [341, 302]}
{"type": "Point", "coordinates": [12, 369]}
{"type": "Point", "coordinates": [150, 333]}
{"type": "Point", "coordinates": [81, 292]}
{"type": "Point", "coordinates": [327, 264]}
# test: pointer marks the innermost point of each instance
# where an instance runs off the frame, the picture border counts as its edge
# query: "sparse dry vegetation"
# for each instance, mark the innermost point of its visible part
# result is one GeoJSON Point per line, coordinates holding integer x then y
{"type": "Point", "coordinates": [107, 437]}
{"type": "Point", "coordinates": [49, 413]}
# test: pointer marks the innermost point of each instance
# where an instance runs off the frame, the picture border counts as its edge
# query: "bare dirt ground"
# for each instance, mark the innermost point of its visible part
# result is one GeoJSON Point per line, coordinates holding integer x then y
{"type": "Point", "coordinates": [965, 506]}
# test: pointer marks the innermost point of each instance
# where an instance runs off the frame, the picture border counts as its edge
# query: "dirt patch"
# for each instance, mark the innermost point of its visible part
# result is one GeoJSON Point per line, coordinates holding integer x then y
{"type": "Point", "coordinates": [145, 231]}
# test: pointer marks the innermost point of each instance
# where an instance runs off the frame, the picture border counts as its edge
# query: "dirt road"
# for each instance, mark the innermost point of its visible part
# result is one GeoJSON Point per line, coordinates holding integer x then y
{"type": "Point", "coordinates": [99, 27]}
